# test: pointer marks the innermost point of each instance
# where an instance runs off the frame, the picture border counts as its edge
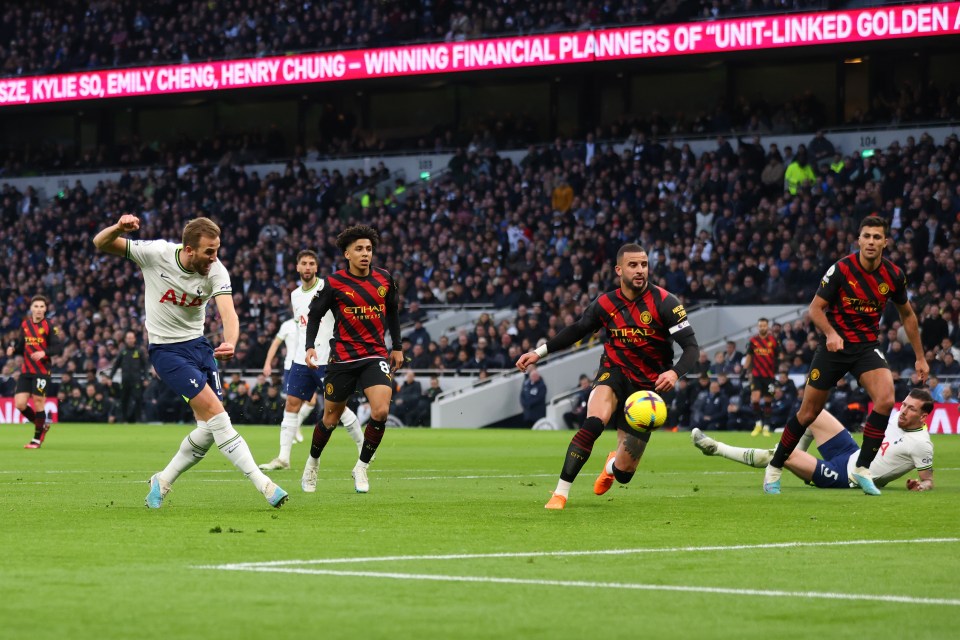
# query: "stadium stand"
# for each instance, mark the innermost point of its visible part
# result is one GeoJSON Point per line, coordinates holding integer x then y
{"type": "Point", "coordinates": [531, 233]}
{"type": "Point", "coordinates": [490, 234]}
{"type": "Point", "coordinates": [83, 34]}
{"type": "Point", "coordinates": [906, 103]}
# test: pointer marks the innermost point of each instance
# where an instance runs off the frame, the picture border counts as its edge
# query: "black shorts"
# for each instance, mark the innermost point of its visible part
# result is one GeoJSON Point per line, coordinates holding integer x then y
{"type": "Point", "coordinates": [343, 379]}
{"type": "Point", "coordinates": [856, 359]}
{"type": "Point", "coordinates": [623, 388]}
{"type": "Point", "coordinates": [764, 385]}
{"type": "Point", "coordinates": [33, 384]}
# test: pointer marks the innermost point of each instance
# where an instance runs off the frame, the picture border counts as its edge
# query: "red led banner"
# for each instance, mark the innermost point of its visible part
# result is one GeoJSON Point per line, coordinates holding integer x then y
{"type": "Point", "coordinates": [742, 34]}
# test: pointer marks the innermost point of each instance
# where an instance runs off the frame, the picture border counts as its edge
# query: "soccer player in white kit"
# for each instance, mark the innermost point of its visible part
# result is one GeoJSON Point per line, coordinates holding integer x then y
{"type": "Point", "coordinates": [287, 336]}
{"type": "Point", "coordinates": [180, 279]}
{"type": "Point", "coordinates": [302, 383]}
{"type": "Point", "coordinates": [904, 448]}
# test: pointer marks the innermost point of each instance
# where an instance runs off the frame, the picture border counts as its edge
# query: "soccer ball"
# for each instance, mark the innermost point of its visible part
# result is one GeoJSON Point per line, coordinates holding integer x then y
{"type": "Point", "coordinates": [645, 411]}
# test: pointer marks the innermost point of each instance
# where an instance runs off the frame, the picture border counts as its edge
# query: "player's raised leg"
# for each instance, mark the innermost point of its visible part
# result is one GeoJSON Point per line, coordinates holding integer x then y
{"type": "Point", "coordinates": [621, 465]}
{"type": "Point", "coordinates": [758, 458]}
{"type": "Point", "coordinates": [184, 366]}
{"type": "Point", "coordinates": [193, 448]}
{"type": "Point", "coordinates": [235, 448]}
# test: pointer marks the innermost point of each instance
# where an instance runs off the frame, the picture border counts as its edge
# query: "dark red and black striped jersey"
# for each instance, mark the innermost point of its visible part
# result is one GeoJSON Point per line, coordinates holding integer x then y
{"type": "Point", "coordinates": [763, 352]}
{"type": "Point", "coordinates": [363, 309]}
{"type": "Point", "coordinates": [640, 333]}
{"type": "Point", "coordinates": [34, 337]}
{"type": "Point", "coordinates": [857, 297]}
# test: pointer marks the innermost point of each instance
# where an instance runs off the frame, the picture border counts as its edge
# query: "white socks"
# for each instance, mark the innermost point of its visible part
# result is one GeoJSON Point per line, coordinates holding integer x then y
{"type": "Point", "coordinates": [772, 474]}
{"type": "Point", "coordinates": [302, 414]}
{"type": "Point", "coordinates": [609, 466]}
{"type": "Point", "coordinates": [758, 458]}
{"type": "Point", "coordinates": [348, 419]}
{"type": "Point", "coordinates": [288, 431]}
{"type": "Point", "coordinates": [192, 450]}
{"type": "Point", "coordinates": [350, 422]}
{"type": "Point", "coordinates": [805, 440]}
{"type": "Point", "coordinates": [234, 447]}
{"type": "Point", "coordinates": [563, 488]}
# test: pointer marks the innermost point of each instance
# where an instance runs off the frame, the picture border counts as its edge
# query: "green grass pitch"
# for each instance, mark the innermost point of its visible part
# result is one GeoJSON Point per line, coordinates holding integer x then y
{"type": "Point", "coordinates": [453, 542]}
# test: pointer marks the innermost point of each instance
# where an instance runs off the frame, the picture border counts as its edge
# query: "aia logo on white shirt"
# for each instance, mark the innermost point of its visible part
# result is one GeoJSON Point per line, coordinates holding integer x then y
{"type": "Point", "coordinates": [183, 300]}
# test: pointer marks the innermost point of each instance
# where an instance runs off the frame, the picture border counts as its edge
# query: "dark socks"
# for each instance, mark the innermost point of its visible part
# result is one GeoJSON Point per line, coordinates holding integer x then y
{"type": "Point", "coordinates": [873, 430]}
{"type": "Point", "coordinates": [788, 441]}
{"type": "Point", "coordinates": [580, 447]}
{"type": "Point", "coordinates": [39, 422]}
{"type": "Point", "coordinates": [372, 436]}
{"type": "Point", "coordinates": [321, 435]}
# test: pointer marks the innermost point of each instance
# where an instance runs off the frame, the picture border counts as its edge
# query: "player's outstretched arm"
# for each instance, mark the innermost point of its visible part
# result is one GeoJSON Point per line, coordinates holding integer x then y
{"type": "Point", "coordinates": [527, 359]}
{"type": "Point", "coordinates": [911, 327]}
{"type": "Point", "coordinates": [110, 240]}
{"type": "Point", "coordinates": [231, 328]}
{"type": "Point", "coordinates": [818, 316]}
{"type": "Point", "coordinates": [588, 323]}
{"type": "Point", "coordinates": [271, 353]}
{"type": "Point", "coordinates": [925, 483]}
{"type": "Point", "coordinates": [396, 360]}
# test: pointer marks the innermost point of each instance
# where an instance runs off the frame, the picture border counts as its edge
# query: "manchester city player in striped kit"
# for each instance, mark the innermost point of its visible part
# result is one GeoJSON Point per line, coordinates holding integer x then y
{"type": "Point", "coordinates": [846, 309]}
{"type": "Point", "coordinates": [364, 302]}
{"type": "Point", "coordinates": [302, 383]}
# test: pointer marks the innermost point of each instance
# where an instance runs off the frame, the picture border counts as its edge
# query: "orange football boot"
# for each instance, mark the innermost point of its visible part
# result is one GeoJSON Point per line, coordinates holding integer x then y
{"type": "Point", "coordinates": [604, 480]}
{"type": "Point", "coordinates": [556, 502]}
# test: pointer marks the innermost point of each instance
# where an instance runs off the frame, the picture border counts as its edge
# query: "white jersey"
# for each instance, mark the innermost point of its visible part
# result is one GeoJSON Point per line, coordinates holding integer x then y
{"type": "Point", "coordinates": [288, 335]}
{"type": "Point", "coordinates": [300, 300]}
{"type": "Point", "coordinates": [175, 299]}
{"type": "Point", "coordinates": [900, 453]}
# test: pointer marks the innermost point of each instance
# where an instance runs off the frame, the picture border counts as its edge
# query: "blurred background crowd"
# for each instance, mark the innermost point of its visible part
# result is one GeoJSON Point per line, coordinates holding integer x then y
{"type": "Point", "coordinates": [749, 221]}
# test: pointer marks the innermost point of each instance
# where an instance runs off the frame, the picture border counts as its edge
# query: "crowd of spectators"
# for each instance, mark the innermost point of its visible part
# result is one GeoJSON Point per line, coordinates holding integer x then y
{"type": "Point", "coordinates": [733, 225]}
{"type": "Point", "coordinates": [84, 34]}
{"type": "Point", "coordinates": [538, 236]}
{"type": "Point", "coordinates": [38, 37]}
{"type": "Point", "coordinates": [338, 133]}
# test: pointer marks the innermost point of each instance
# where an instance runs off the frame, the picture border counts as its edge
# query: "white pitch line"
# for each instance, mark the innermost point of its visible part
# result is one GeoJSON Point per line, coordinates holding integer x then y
{"type": "Point", "coordinates": [590, 552]}
{"type": "Point", "coordinates": [476, 477]}
{"type": "Point", "coordinates": [384, 473]}
{"type": "Point", "coordinates": [604, 585]}
{"type": "Point", "coordinates": [107, 471]}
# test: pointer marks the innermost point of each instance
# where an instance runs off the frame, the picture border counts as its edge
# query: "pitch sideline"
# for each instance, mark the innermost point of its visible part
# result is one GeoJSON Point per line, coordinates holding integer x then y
{"type": "Point", "coordinates": [296, 567]}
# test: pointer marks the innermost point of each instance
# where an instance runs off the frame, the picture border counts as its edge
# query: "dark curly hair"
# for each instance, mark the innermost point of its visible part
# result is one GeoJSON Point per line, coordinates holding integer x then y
{"type": "Point", "coordinates": [357, 232]}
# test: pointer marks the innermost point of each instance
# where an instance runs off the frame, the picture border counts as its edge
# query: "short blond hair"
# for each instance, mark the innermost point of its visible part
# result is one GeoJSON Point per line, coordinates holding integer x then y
{"type": "Point", "coordinates": [198, 228]}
